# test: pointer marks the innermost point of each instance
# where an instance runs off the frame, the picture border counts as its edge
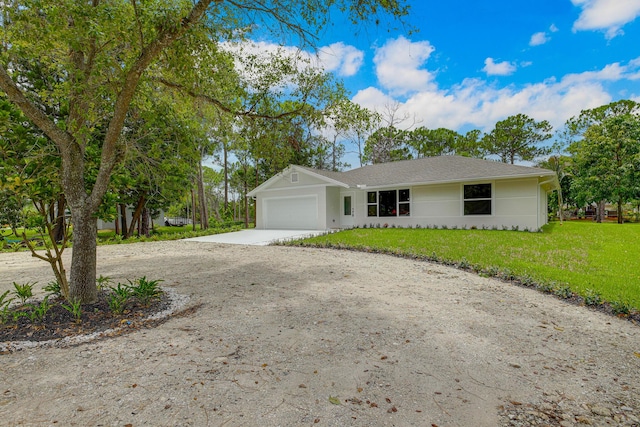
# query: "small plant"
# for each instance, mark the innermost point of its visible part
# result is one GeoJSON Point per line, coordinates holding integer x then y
{"type": "Point", "coordinates": [620, 308]}
{"type": "Point", "coordinates": [39, 311]}
{"type": "Point", "coordinates": [527, 281]}
{"type": "Point", "coordinates": [103, 281]}
{"type": "Point", "coordinates": [75, 308]}
{"type": "Point", "coordinates": [53, 288]}
{"type": "Point", "coordinates": [463, 264]}
{"type": "Point", "coordinates": [563, 292]}
{"type": "Point", "coordinates": [4, 306]}
{"type": "Point", "coordinates": [490, 271]}
{"type": "Point", "coordinates": [145, 290]}
{"type": "Point", "coordinates": [23, 292]}
{"type": "Point", "coordinates": [592, 297]}
{"type": "Point", "coordinates": [16, 246]}
{"type": "Point", "coordinates": [545, 287]}
{"type": "Point", "coordinates": [118, 298]}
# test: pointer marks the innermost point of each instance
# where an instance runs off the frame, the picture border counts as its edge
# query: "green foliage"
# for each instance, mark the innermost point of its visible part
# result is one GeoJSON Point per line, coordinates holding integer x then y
{"type": "Point", "coordinates": [592, 297]}
{"type": "Point", "coordinates": [39, 311]}
{"type": "Point", "coordinates": [119, 297]}
{"type": "Point", "coordinates": [103, 281]}
{"type": "Point", "coordinates": [620, 308]}
{"type": "Point", "coordinates": [582, 255]}
{"type": "Point", "coordinates": [4, 306]}
{"type": "Point", "coordinates": [605, 158]}
{"type": "Point", "coordinates": [53, 288]}
{"type": "Point", "coordinates": [563, 291]}
{"type": "Point", "coordinates": [75, 308]}
{"type": "Point", "coordinates": [23, 291]}
{"type": "Point", "coordinates": [145, 290]}
{"type": "Point", "coordinates": [517, 138]}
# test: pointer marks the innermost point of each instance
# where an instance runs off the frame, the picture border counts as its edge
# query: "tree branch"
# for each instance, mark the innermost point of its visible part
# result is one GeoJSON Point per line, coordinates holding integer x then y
{"type": "Point", "coordinates": [61, 138]}
{"type": "Point", "coordinates": [213, 101]}
{"type": "Point", "coordinates": [149, 53]}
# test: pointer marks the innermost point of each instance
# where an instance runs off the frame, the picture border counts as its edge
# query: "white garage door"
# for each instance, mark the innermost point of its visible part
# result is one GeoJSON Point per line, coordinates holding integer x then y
{"type": "Point", "coordinates": [296, 213]}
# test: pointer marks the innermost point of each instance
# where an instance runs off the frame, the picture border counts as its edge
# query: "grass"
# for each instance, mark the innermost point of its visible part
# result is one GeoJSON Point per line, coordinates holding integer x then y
{"type": "Point", "coordinates": [108, 237]}
{"type": "Point", "coordinates": [590, 259]}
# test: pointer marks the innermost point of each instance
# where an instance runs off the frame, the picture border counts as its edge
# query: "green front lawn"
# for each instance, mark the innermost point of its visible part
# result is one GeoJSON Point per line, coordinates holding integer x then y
{"type": "Point", "coordinates": [591, 259]}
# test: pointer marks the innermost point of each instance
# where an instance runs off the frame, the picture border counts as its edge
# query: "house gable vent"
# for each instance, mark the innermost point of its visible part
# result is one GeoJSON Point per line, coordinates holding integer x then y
{"type": "Point", "coordinates": [294, 177]}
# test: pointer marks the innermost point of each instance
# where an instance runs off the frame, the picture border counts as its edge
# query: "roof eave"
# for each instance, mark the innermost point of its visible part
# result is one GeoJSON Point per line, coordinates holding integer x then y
{"type": "Point", "coordinates": [457, 180]}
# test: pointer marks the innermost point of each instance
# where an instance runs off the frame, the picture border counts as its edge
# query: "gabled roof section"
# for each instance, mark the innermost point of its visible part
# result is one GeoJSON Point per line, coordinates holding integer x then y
{"type": "Point", "coordinates": [326, 176]}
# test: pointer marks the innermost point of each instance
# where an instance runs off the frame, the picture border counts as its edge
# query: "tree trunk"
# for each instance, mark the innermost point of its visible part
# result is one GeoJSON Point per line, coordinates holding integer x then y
{"type": "Point", "coordinates": [620, 219]}
{"type": "Point", "coordinates": [144, 223]}
{"type": "Point", "coordinates": [204, 215]}
{"type": "Point", "coordinates": [60, 228]}
{"type": "Point", "coordinates": [193, 210]}
{"type": "Point", "coordinates": [123, 219]}
{"type": "Point", "coordinates": [600, 211]}
{"type": "Point", "coordinates": [226, 178]}
{"type": "Point", "coordinates": [136, 215]}
{"type": "Point", "coordinates": [117, 221]}
{"type": "Point", "coordinates": [82, 281]}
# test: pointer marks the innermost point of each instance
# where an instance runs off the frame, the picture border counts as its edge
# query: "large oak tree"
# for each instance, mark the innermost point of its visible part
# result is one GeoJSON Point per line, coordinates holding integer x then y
{"type": "Point", "coordinates": [100, 51]}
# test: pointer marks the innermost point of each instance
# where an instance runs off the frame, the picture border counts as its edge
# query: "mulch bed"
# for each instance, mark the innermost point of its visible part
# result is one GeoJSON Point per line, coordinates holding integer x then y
{"type": "Point", "coordinates": [60, 322]}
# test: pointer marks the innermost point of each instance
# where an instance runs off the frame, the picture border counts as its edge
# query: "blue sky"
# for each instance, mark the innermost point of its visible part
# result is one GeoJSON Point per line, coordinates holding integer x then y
{"type": "Point", "coordinates": [472, 63]}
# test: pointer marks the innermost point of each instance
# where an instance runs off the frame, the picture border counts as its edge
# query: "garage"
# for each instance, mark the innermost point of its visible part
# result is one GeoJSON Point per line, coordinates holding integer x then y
{"type": "Point", "coordinates": [297, 213]}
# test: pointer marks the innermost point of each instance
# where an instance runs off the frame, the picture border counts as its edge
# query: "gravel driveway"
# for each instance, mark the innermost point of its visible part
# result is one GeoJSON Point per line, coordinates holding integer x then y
{"type": "Point", "coordinates": [281, 336]}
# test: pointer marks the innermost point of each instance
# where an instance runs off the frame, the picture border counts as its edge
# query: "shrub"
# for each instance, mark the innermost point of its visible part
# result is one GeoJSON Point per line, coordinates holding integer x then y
{"type": "Point", "coordinates": [563, 291]}
{"type": "Point", "coordinates": [53, 288]}
{"type": "Point", "coordinates": [620, 308]}
{"type": "Point", "coordinates": [75, 308]}
{"type": "Point", "coordinates": [145, 290]}
{"type": "Point", "coordinates": [592, 297]}
{"type": "Point", "coordinates": [24, 292]}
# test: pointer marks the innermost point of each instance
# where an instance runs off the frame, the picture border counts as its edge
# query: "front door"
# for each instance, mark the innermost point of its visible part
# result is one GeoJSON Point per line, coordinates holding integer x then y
{"type": "Point", "coordinates": [347, 210]}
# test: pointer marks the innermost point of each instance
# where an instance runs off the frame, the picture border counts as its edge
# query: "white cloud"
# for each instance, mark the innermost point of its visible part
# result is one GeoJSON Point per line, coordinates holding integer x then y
{"type": "Point", "coordinates": [538, 39]}
{"type": "Point", "coordinates": [607, 15]}
{"type": "Point", "coordinates": [553, 28]}
{"type": "Point", "coordinates": [479, 104]}
{"type": "Point", "coordinates": [398, 65]}
{"type": "Point", "coordinates": [345, 60]}
{"type": "Point", "coordinates": [493, 68]}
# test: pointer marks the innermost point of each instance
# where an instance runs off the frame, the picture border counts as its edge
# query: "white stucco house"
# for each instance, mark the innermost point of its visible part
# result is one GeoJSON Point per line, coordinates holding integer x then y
{"type": "Point", "coordinates": [450, 191]}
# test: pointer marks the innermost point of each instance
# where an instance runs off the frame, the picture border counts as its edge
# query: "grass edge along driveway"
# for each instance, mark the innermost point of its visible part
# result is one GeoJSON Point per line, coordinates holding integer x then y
{"type": "Point", "coordinates": [599, 262]}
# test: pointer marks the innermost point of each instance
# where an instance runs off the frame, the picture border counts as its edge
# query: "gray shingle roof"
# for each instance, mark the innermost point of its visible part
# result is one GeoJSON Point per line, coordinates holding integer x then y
{"type": "Point", "coordinates": [431, 170]}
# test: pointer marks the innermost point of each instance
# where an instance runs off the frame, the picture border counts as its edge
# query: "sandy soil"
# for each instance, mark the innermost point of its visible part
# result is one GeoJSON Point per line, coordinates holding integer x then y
{"type": "Point", "coordinates": [292, 337]}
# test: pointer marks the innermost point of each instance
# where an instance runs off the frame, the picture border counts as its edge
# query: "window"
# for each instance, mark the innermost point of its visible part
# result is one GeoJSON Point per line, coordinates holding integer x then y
{"type": "Point", "coordinates": [294, 177]}
{"type": "Point", "coordinates": [347, 205]}
{"type": "Point", "coordinates": [477, 199]}
{"type": "Point", "coordinates": [372, 203]}
{"type": "Point", "coordinates": [404, 207]}
{"type": "Point", "coordinates": [389, 203]}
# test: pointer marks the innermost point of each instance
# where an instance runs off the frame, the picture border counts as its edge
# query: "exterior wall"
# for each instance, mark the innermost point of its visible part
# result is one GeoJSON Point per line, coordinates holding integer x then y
{"type": "Point", "coordinates": [304, 180]}
{"type": "Point", "coordinates": [333, 207]}
{"type": "Point", "coordinates": [299, 191]}
{"type": "Point", "coordinates": [515, 203]}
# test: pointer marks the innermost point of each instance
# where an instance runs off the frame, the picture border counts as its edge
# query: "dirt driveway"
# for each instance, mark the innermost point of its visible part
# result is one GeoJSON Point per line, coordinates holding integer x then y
{"type": "Point", "coordinates": [294, 337]}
